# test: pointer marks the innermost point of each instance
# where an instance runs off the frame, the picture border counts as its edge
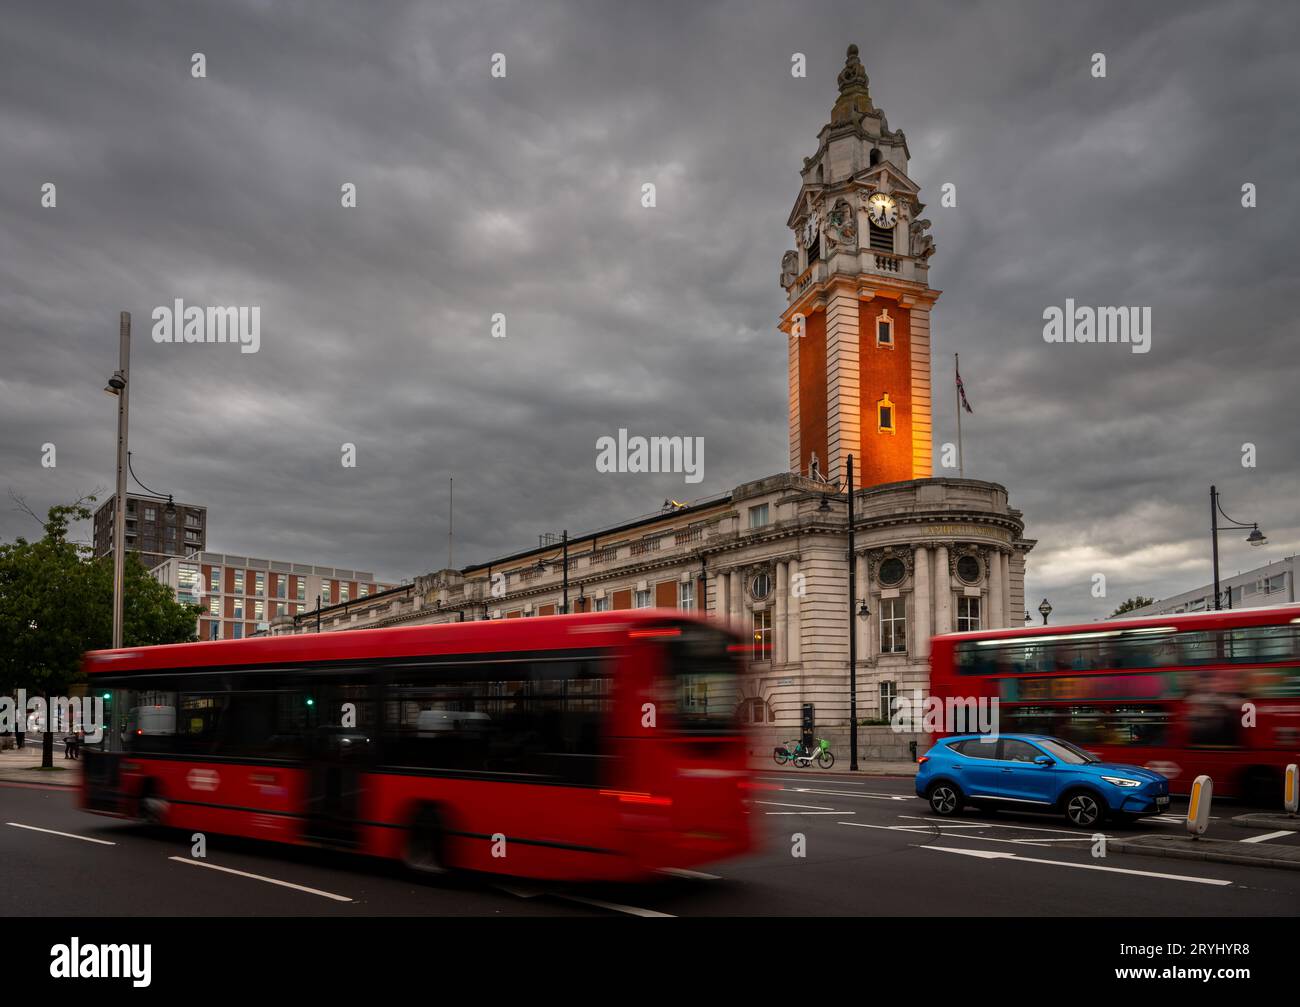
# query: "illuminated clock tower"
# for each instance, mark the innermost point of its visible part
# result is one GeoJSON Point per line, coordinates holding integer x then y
{"type": "Point", "coordinates": [858, 319]}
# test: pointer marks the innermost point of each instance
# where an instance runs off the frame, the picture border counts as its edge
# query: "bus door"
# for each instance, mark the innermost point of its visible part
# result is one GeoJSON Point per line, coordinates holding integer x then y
{"type": "Point", "coordinates": [339, 760]}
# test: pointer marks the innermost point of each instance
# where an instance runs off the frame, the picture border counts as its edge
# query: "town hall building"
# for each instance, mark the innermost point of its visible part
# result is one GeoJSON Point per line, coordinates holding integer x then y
{"type": "Point", "coordinates": [770, 557]}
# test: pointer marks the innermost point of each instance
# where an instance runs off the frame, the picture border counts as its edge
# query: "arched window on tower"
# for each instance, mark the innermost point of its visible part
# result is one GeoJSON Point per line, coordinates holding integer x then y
{"type": "Point", "coordinates": [884, 330]}
{"type": "Point", "coordinates": [875, 156]}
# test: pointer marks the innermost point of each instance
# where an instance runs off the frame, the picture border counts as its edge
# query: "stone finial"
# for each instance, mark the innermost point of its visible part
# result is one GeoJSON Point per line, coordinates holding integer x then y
{"type": "Point", "coordinates": [854, 99]}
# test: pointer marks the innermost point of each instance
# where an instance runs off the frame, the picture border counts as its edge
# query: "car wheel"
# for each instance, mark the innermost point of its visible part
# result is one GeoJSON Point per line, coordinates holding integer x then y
{"type": "Point", "coordinates": [945, 799]}
{"type": "Point", "coordinates": [424, 845]}
{"type": "Point", "coordinates": [1083, 809]}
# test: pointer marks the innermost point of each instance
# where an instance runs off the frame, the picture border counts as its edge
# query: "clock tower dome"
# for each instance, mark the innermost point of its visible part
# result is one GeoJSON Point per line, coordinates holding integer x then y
{"type": "Point", "coordinates": [859, 300]}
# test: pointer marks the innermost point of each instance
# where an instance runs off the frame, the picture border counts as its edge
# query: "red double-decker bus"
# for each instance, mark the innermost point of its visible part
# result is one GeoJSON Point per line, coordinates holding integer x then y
{"type": "Point", "coordinates": [1215, 692]}
{"type": "Point", "coordinates": [584, 747]}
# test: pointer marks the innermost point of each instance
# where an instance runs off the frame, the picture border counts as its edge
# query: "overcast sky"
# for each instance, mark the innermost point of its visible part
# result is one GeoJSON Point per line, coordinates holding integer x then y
{"type": "Point", "coordinates": [521, 195]}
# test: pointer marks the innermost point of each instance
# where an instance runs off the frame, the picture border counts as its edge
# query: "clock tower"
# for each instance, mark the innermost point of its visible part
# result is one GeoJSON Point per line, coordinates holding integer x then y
{"type": "Point", "coordinates": [859, 300]}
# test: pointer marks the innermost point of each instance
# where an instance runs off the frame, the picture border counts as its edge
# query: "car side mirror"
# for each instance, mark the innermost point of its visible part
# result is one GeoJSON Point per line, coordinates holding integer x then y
{"type": "Point", "coordinates": [1044, 760]}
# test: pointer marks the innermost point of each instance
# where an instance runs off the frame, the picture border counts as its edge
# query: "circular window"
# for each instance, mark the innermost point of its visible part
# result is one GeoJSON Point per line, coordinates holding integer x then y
{"type": "Point", "coordinates": [892, 571]}
{"type": "Point", "coordinates": [968, 569]}
{"type": "Point", "coordinates": [761, 586]}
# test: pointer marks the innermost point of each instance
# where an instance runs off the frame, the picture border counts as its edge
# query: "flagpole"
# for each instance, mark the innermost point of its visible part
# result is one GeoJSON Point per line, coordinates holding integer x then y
{"type": "Point", "coordinates": [956, 370]}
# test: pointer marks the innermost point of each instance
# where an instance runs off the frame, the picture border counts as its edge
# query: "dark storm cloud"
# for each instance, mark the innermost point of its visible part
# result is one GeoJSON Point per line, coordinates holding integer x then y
{"type": "Point", "coordinates": [521, 196]}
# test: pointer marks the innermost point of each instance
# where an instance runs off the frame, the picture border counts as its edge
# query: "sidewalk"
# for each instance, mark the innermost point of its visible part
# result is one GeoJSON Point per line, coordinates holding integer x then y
{"type": "Point", "coordinates": [23, 765]}
{"type": "Point", "coordinates": [866, 767]}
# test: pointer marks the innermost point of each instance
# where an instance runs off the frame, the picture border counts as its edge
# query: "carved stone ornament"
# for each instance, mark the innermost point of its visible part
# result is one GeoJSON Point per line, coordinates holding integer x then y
{"type": "Point", "coordinates": [840, 226]}
{"type": "Point", "coordinates": [922, 244]}
{"type": "Point", "coordinates": [878, 556]}
{"type": "Point", "coordinates": [789, 268]}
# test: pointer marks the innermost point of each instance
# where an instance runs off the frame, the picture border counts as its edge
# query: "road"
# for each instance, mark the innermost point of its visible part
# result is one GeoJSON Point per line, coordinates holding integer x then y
{"type": "Point", "coordinates": [870, 848]}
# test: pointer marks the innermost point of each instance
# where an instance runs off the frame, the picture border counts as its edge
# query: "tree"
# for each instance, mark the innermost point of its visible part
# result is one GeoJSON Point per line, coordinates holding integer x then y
{"type": "Point", "coordinates": [56, 603]}
{"type": "Point", "coordinates": [1131, 603]}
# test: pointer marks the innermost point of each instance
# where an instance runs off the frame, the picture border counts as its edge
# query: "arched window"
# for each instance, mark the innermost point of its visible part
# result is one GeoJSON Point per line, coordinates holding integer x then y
{"type": "Point", "coordinates": [875, 156]}
{"type": "Point", "coordinates": [885, 416]}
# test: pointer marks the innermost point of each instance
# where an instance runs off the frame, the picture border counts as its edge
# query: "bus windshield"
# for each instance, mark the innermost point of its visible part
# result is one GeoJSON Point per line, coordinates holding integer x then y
{"type": "Point", "coordinates": [702, 688]}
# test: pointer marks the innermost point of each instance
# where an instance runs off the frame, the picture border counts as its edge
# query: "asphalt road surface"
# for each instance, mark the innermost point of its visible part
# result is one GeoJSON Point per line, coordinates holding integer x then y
{"type": "Point", "coordinates": [870, 848]}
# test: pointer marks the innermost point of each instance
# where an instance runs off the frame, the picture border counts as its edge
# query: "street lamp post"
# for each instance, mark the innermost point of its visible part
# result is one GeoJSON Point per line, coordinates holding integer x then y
{"type": "Point", "coordinates": [1255, 538]}
{"type": "Point", "coordinates": [564, 605]}
{"type": "Point", "coordinates": [853, 634]}
{"type": "Point", "coordinates": [117, 385]}
{"type": "Point", "coordinates": [318, 613]}
{"type": "Point", "coordinates": [1045, 609]}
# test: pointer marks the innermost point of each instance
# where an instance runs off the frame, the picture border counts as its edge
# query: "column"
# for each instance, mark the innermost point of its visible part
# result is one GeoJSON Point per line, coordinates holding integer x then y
{"type": "Point", "coordinates": [779, 617]}
{"type": "Point", "coordinates": [922, 430]}
{"type": "Point", "coordinates": [1008, 617]}
{"type": "Point", "coordinates": [721, 605]}
{"type": "Point", "coordinates": [737, 594]}
{"type": "Point", "coordinates": [794, 648]}
{"type": "Point", "coordinates": [942, 592]}
{"type": "Point", "coordinates": [843, 381]}
{"type": "Point", "coordinates": [997, 618]}
{"type": "Point", "coordinates": [921, 603]}
{"type": "Point", "coordinates": [862, 626]}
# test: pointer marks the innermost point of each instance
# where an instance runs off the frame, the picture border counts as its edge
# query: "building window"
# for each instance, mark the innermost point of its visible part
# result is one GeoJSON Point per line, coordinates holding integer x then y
{"type": "Point", "coordinates": [882, 240]}
{"type": "Point", "coordinates": [641, 599]}
{"type": "Point", "coordinates": [214, 580]}
{"type": "Point", "coordinates": [755, 711]}
{"type": "Point", "coordinates": [968, 569]}
{"type": "Point", "coordinates": [214, 630]}
{"type": "Point", "coordinates": [239, 582]}
{"type": "Point", "coordinates": [279, 609]}
{"type": "Point", "coordinates": [758, 516]}
{"type": "Point", "coordinates": [888, 700]}
{"type": "Point", "coordinates": [187, 580]}
{"type": "Point", "coordinates": [235, 608]}
{"type": "Point", "coordinates": [343, 591]}
{"type": "Point", "coordinates": [602, 604]}
{"type": "Point", "coordinates": [302, 589]}
{"type": "Point", "coordinates": [325, 593]}
{"type": "Point", "coordinates": [760, 586]}
{"type": "Point", "coordinates": [893, 626]}
{"type": "Point", "coordinates": [885, 330]}
{"type": "Point", "coordinates": [214, 605]}
{"type": "Point", "coordinates": [237, 631]}
{"type": "Point", "coordinates": [892, 571]}
{"type": "Point", "coordinates": [363, 590]}
{"type": "Point", "coordinates": [259, 584]}
{"type": "Point", "coordinates": [686, 595]}
{"type": "Point", "coordinates": [259, 610]}
{"type": "Point", "coordinates": [885, 415]}
{"type": "Point", "coordinates": [968, 614]}
{"type": "Point", "coordinates": [151, 513]}
{"type": "Point", "coordinates": [192, 521]}
{"type": "Point", "coordinates": [762, 634]}
{"type": "Point", "coordinates": [281, 586]}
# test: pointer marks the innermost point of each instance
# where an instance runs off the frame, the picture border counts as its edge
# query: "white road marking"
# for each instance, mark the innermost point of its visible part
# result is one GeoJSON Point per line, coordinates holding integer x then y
{"type": "Point", "coordinates": [805, 807]}
{"type": "Point", "coordinates": [997, 855]}
{"type": "Point", "coordinates": [808, 813]}
{"type": "Point", "coordinates": [615, 907]}
{"type": "Point", "coordinates": [1269, 835]}
{"type": "Point", "coordinates": [844, 793]}
{"type": "Point", "coordinates": [999, 825]}
{"type": "Point", "coordinates": [681, 872]}
{"type": "Point", "coordinates": [260, 877]}
{"type": "Point", "coordinates": [69, 835]}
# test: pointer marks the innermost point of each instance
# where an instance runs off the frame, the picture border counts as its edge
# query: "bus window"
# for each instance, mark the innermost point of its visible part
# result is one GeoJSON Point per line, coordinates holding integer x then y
{"type": "Point", "coordinates": [701, 692]}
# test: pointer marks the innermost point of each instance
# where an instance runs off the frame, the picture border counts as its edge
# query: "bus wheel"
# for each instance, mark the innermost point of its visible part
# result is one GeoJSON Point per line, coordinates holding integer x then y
{"type": "Point", "coordinates": [1082, 809]}
{"type": "Point", "coordinates": [153, 807]}
{"type": "Point", "coordinates": [1261, 786]}
{"type": "Point", "coordinates": [424, 844]}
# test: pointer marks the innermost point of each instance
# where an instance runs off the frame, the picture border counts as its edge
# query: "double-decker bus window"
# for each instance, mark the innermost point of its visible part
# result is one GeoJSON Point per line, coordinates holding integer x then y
{"type": "Point", "coordinates": [539, 719]}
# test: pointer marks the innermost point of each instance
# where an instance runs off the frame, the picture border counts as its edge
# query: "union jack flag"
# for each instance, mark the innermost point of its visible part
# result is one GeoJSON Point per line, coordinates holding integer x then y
{"type": "Point", "coordinates": [961, 391]}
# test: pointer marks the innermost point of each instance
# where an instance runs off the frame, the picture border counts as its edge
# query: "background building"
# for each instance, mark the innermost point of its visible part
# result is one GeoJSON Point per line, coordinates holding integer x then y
{"type": "Point", "coordinates": [155, 528]}
{"type": "Point", "coordinates": [241, 595]}
{"type": "Point", "coordinates": [1271, 584]}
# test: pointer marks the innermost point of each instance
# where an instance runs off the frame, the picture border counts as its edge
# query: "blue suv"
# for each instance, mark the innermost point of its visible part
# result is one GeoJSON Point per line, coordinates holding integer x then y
{"type": "Point", "coordinates": [1032, 772]}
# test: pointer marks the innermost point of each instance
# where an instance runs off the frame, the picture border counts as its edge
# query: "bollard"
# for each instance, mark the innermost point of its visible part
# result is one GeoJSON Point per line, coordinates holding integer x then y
{"type": "Point", "coordinates": [1291, 791]}
{"type": "Point", "coordinates": [1198, 808]}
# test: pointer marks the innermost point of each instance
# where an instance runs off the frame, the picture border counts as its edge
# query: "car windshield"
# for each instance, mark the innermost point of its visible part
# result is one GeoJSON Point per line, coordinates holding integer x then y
{"type": "Point", "coordinates": [1063, 751]}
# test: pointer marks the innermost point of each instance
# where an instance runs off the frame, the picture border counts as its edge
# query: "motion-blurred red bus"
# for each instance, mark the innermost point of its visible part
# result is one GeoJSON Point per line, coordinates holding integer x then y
{"type": "Point", "coordinates": [1214, 692]}
{"type": "Point", "coordinates": [585, 747]}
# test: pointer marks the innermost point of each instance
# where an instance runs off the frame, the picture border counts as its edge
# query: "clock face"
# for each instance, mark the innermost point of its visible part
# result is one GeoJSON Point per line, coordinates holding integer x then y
{"type": "Point", "coordinates": [883, 210]}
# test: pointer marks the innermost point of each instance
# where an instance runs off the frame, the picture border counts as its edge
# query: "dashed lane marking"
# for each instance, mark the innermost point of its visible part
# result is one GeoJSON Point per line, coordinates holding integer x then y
{"type": "Point", "coordinates": [53, 832]}
{"type": "Point", "coordinates": [1269, 835]}
{"type": "Point", "coordinates": [261, 877]}
{"type": "Point", "coordinates": [617, 908]}
{"type": "Point", "coordinates": [998, 855]}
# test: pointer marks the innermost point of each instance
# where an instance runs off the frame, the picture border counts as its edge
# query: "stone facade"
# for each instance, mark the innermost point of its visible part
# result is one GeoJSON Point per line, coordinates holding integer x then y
{"type": "Point", "coordinates": [773, 557]}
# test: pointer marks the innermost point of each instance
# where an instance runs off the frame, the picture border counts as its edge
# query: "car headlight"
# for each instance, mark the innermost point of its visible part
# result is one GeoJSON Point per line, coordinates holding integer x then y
{"type": "Point", "coordinates": [1121, 781]}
